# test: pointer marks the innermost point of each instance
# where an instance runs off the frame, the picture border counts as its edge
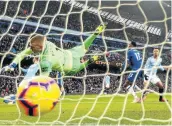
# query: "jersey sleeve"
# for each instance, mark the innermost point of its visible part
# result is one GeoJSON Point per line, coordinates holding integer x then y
{"type": "Point", "coordinates": [46, 68]}
{"type": "Point", "coordinates": [19, 57]}
{"type": "Point", "coordinates": [52, 46]}
{"type": "Point", "coordinates": [147, 63]}
{"type": "Point", "coordinates": [24, 70]}
{"type": "Point", "coordinates": [34, 68]}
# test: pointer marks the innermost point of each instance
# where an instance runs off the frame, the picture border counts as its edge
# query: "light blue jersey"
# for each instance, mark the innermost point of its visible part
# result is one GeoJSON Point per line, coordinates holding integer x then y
{"type": "Point", "coordinates": [31, 71]}
{"type": "Point", "coordinates": [152, 65]}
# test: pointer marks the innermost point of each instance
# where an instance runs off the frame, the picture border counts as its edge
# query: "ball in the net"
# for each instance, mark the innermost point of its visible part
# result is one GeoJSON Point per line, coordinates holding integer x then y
{"type": "Point", "coordinates": [38, 95]}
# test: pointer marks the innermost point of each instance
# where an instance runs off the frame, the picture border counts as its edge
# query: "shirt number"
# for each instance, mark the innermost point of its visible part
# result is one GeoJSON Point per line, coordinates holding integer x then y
{"type": "Point", "coordinates": [138, 56]}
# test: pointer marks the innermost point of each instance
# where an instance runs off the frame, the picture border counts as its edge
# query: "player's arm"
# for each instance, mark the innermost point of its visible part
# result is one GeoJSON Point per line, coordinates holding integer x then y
{"type": "Point", "coordinates": [60, 81]}
{"type": "Point", "coordinates": [147, 65]}
{"type": "Point", "coordinates": [146, 77]}
{"type": "Point", "coordinates": [19, 57]}
{"type": "Point", "coordinates": [161, 67]}
{"type": "Point", "coordinates": [33, 69]}
{"type": "Point", "coordinates": [129, 55]}
{"type": "Point", "coordinates": [24, 70]}
{"type": "Point", "coordinates": [165, 68]}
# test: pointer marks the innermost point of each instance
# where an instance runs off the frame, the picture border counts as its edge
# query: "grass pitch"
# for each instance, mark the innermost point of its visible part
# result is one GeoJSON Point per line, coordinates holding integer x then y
{"type": "Point", "coordinates": [95, 110]}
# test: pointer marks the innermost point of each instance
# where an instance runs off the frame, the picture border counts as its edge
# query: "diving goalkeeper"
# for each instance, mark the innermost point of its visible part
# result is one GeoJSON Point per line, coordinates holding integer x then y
{"type": "Point", "coordinates": [53, 58]}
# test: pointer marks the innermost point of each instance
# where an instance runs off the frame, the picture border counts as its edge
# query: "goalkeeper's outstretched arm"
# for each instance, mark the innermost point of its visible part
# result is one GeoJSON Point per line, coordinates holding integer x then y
{"type": "Point", "coordinates": [36, 46]}
{"type": "Point", "coordinates": [19, 57]}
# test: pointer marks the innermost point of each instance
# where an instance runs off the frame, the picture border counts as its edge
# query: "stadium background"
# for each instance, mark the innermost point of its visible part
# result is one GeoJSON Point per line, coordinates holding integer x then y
{"type": "Point", "coordinates": [13, 38]}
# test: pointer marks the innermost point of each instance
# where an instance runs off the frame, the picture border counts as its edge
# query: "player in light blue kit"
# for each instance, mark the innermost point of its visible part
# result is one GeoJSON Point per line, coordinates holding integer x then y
{"type": "Point", "coordinates": [32, 70]}
{"type": "Point", "coordinates": [134, 60]}
{"type": "Point", "coordinates": [152, 65]}
{"type": "Point", "coordinates": [29, 74]}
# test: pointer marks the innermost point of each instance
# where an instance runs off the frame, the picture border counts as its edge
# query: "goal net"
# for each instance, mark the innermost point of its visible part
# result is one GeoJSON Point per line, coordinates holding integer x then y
{"type": "Point", "coordinates": [87, 100]}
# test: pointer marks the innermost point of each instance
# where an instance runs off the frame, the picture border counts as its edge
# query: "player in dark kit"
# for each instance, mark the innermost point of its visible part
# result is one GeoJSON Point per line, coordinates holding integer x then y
{"type": "Point", "coordinates": [134, 60]}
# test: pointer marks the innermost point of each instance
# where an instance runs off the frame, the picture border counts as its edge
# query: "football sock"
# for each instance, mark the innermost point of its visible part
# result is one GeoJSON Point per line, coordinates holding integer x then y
{"type": "Point", "coordinates": [133, 93]}
{"type": "Point", "coordinates": [161, 91]}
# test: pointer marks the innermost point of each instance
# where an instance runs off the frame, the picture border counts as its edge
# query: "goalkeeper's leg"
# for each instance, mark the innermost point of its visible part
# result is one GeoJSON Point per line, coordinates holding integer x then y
{"type": "Point", "coordinates": [84, 65]}
{"type": "Point", "coordinates": [88, 42]}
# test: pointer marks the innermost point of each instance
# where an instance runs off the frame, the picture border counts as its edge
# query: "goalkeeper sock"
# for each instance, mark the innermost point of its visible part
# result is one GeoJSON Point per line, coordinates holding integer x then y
{"type": "Point", "coordinates": [160, 92]}
{"type": "Point", "coordinates": [88, 42]}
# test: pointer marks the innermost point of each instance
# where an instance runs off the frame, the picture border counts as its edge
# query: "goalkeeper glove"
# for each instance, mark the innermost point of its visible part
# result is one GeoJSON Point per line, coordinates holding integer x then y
{"type": "Point", "coordinates": [10, 67]}
{"type": "Point", "coordinates": [100, 28]}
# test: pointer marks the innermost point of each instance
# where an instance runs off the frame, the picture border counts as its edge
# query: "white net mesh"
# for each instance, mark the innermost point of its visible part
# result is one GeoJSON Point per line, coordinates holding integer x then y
{"type": "Point", "coordinates": [67, 24]}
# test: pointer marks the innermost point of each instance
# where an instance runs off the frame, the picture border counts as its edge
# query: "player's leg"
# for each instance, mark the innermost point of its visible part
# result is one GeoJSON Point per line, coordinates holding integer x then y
{"type": "Point", "coordinates": [80, 66]}
{"type": "Point", "coordinates": [145, 92]}
{"type": "Point", "coordinates": [130, 81]}
{"type": "Point", "coordinates": [60, 81]}
{"type": "Point", "coordinates": [155, 81]}
{"type": "Point", "coordinates": [11, 99]}
{"type": "Point", "coordinates": [85, 64]}
{"type": "Point", "coordinates": [88, 42]}
{"type": "Point", "coordinates": [146, 85]}
{"type": "Point", "coordinates": [161, 90]}
{"type": "Point", "coordinates": [79, 51]}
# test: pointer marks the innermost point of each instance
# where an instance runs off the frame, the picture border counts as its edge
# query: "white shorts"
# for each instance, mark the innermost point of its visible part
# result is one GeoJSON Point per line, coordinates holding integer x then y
{"type": "Point", "coordinates": [152, 79]}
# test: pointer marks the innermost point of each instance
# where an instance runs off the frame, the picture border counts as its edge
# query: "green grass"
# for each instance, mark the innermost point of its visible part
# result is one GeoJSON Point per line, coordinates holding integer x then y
{"type": "Point", "coordinates": [93, 110]}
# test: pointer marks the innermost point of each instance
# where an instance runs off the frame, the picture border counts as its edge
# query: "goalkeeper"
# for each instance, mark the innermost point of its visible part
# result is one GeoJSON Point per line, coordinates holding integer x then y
{"type": "Point", "coordinates": [53, 58]}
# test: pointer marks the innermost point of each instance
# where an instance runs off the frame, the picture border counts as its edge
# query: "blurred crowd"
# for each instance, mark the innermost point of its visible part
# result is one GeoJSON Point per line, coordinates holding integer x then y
{"type": "Point", "coordinates": [65, 16]}
{"type": "Point", "coordinates": [14, 37]}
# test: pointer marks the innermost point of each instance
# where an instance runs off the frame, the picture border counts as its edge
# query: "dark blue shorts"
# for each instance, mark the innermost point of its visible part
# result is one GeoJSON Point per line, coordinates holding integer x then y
{"type": "Point", "coordinates": [132, 76]}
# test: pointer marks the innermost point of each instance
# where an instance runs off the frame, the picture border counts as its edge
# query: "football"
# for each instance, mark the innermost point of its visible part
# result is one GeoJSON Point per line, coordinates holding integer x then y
{"type": "Point", "coordinates": [38, 95]}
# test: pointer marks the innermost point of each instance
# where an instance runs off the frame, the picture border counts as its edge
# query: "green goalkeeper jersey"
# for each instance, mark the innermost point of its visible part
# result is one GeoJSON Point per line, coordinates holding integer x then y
{"type": "Point", "coordinates": [51, 58]}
